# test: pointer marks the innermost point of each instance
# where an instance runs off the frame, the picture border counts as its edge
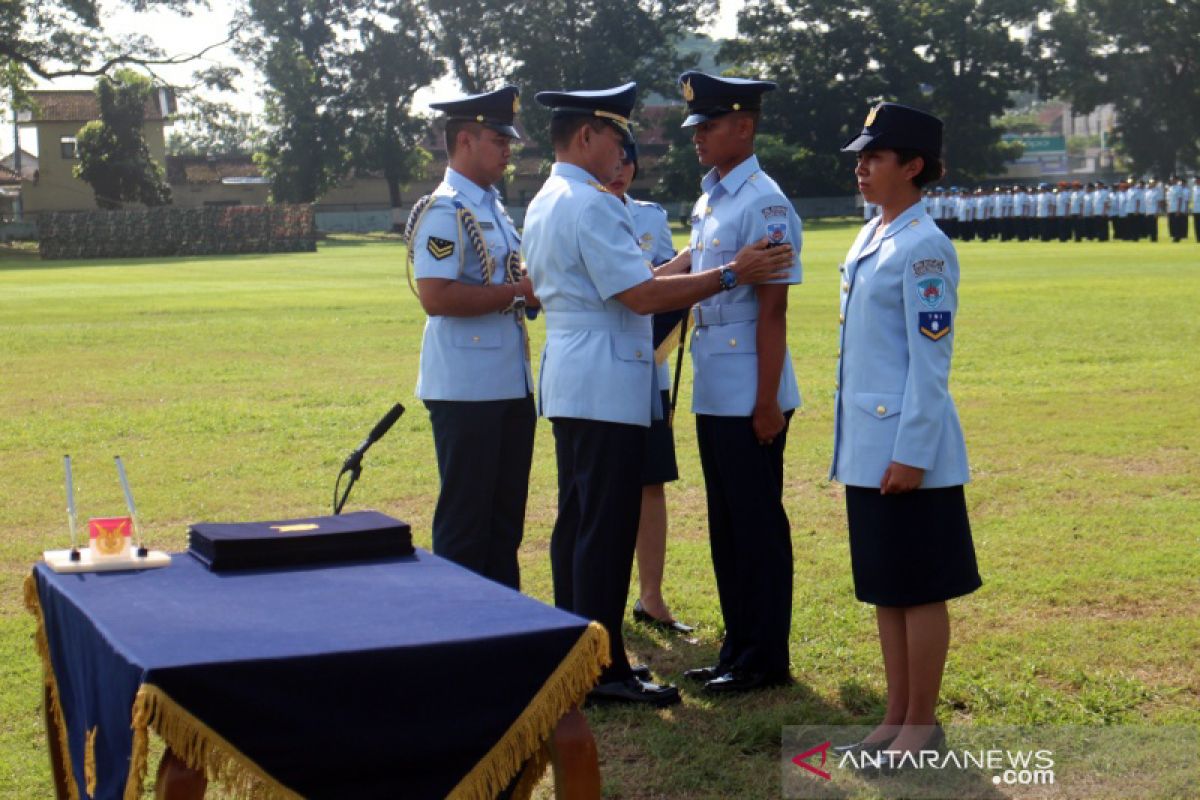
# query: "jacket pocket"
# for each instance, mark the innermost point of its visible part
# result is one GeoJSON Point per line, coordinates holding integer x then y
{"type": "Point", "coordinates": [477, 339]}
{"type": "Point", "coordinates": [878, 405]}
{"type": "Point", "coordinates": [632, 348]}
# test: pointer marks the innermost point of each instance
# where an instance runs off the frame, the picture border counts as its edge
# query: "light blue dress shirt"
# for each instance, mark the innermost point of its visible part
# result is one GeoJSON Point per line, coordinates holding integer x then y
{"type": "Point", "coordinates": [653, 230]}
{"type": "Point", "coordinates": [899, 301]}
{"type": "Point", "coordinates": [468, 358]}
{"type": "Point", "coordinates": [742, 208]}
{"type": "Point", "coordinates": [581, 251]}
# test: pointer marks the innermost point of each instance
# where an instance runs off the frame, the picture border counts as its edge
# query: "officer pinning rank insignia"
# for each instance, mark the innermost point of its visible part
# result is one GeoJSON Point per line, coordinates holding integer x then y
{"type": "Point", "coordinates": [439, 248]}
{"type": "Point", "coordinates": [933, 324]}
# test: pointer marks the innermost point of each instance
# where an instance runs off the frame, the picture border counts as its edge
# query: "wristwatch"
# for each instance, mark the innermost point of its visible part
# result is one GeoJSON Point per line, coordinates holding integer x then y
{"type": "Point", "coordinates": [728, 279]}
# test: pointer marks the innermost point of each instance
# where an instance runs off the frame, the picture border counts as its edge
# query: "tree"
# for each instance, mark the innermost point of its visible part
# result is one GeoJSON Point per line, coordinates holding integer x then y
{"type": "Point", "coordinates": [391, 61]}
{"type": "Point", "coordinates": [61, 38]}
{"type": "Point", "coordinates": [113, 156]}
{"type": "Point", "coordinates": [565, 44]}
{"type": "Point", "coordinates": [1141, 56]}
{"type": "Point", "coordinates": [835, 58]}
{"type": "Point", "coordinates": [213, 128]}
{"type": "Point", "coordinates": [294, 44]}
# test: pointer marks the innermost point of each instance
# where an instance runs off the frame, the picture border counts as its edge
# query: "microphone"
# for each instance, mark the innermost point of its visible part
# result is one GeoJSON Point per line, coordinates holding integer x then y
{"type": "Point", "coordinates": [354, 460]}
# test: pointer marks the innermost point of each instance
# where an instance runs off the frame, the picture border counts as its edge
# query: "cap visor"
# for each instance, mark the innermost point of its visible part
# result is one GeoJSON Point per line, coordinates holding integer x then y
{"type": "Point", "coordinates": [507, 130]}
{"type": "Point", "coordinates": [859, 142]}
{"type": "Point", "coordinates": [695, 119]}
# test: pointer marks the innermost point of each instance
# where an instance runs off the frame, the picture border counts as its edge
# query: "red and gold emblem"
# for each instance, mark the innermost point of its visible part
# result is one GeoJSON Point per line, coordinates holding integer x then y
{"type": "Point", "coordinates": [110, 535]}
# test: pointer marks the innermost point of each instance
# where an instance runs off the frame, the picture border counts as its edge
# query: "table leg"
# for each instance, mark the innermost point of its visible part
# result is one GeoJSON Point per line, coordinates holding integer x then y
{"type": "Point", "coordinates": [573, 754]}
{"type": "Point", "coordinates": [57, 768]}
{"type": "Point", "coordinates": [178, 781]}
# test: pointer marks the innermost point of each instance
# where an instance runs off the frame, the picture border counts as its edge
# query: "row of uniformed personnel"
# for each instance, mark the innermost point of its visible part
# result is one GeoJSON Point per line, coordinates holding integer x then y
{"type": "Point", "coordinates": [896, 428]}
{"type": "Point", "coordinates": [1130, 209]}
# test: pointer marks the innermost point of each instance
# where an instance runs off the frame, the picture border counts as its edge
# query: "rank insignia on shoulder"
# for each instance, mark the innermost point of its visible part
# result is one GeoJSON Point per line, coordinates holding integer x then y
{"type": "Point", "coordinates": [933, 324]}
{"type": "Point", "coordinates": [929, 265]}
{"type": "Point", "coordinates": [931, 291]}
{"type": "Point", "coordinates": [439, 248]}
{"type": "Point", "coordinates": [600, 187]}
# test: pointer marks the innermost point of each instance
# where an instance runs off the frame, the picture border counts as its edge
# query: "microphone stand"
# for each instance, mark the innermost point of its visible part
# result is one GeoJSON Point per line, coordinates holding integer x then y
{"type": "Point", "coordinates": [352, 466]}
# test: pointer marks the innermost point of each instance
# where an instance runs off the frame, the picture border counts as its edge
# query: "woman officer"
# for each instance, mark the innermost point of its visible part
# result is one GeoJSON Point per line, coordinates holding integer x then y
{"type": "Point", "coordinates": [898, 444]}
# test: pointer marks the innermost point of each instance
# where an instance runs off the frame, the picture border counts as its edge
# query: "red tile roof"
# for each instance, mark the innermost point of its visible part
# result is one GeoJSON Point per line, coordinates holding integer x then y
{"type": "Point", "coordinates": [77, 106]}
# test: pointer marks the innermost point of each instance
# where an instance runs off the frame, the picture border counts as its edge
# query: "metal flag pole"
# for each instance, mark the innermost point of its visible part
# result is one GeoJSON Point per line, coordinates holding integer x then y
{"type": "Point", "coordinates": [71, 519]}
{"type": "Point", "coordinates": [137, 528]}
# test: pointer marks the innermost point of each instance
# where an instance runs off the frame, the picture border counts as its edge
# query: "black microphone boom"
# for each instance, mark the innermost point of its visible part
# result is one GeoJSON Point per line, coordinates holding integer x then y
{"type": "Point", "coordinates": [353, 462]}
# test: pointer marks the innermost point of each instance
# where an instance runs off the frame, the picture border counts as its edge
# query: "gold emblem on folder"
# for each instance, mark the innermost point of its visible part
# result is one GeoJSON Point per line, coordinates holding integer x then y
{"type": "Point", "coordinates": [304, 526]}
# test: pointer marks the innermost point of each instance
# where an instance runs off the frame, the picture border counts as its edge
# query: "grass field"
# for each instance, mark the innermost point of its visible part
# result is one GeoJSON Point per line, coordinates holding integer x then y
{"type": "Point", "coordinates": [233, 387]}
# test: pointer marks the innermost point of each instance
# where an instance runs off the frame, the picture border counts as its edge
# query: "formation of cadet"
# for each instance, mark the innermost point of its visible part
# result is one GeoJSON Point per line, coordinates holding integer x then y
{"type": "Point", "coordinates": [1127, 211]}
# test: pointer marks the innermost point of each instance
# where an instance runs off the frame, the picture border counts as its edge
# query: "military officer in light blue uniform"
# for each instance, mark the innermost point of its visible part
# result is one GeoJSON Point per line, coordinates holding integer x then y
{"type": "Point", "coordinates": [898, 445]}
{"type": "Point", "coordinates": [744, 388]}
{"type": "Point", "coordinates": [597, 380]}
{"type": "Point", "coordinates": [475, 377]}
{"type": "Point", "coordinates": [653, 232]}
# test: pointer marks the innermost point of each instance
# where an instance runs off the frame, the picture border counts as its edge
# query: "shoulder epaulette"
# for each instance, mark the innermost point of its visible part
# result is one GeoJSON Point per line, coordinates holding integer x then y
{"type": "Point", "coordinates": [600, 187]}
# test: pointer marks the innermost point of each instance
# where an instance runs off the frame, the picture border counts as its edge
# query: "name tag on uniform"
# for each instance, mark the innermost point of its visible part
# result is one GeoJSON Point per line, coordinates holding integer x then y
{"type": "Point", "coordinates": [487, 226]}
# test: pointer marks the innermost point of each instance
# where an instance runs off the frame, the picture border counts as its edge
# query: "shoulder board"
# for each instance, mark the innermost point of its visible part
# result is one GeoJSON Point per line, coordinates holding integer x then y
{"type": "Point", "coordinates": [600, 187]}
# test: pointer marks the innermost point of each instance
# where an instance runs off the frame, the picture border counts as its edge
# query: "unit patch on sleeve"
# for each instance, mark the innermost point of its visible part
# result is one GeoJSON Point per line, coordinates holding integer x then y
{"type": "Point", "coordinates": [774, 211]}
{"type": "Point", "coordinates": [439, 248]}
{"type": "Point", "coordinates": [933, 324]}
{"type": "Point", "coordinates": [929, 265]}
{"type": "Point", "coordinates": [776, 233]}
{"type": "Point", "coordinates": [931, 291]}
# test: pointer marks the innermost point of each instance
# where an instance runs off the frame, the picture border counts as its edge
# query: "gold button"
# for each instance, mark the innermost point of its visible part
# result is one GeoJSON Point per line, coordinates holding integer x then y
{"type": "Point", "coordinates": [708, 211]}
{"type": "Point", "coordinates": [716, 242]}
{"type": "Point", "coordinates": [845, 286]}
{"type": "Point", "coordinates": [700, 246]}
{"type": "Point", "coordinates": [841, 318]}
{"type": "Point", "coordinates": [881, 410]}
{"type": "Point", "coordinates": [474, 338]}
{"type": "Point", "coordinates": [733, 342]}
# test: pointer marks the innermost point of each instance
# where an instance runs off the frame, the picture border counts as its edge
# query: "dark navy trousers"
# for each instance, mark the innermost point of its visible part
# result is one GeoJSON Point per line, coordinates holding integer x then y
{"type": "Point", "coordinates": [751, 541]}
{"type": "Point", "coordinates": [484, 452]}
{"type": "Point", "coordinates": [599, 505]}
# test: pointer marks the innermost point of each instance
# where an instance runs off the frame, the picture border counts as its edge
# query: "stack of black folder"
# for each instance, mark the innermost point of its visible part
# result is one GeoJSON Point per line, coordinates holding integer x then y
{"type": "Point", "coordinates": [356, 536]}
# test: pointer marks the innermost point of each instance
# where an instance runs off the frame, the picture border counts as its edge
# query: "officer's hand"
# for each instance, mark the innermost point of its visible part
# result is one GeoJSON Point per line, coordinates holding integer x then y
{"type": "Point", "coordinates": [900, 478]}
{"type": "Point", "coordinates": [768, 422]}
{"type": "Point", "coordinates": [758, 263]}
{"type": "Point", "coordinates": [525, 289]}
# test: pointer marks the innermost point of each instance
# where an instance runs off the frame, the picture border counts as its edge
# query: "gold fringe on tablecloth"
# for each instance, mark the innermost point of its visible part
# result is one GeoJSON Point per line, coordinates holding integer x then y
{"type": "Point", "coordinates": [196, 745]}
{"type": "Point", "coordinates": [34, 604]}
{"type": "Point", "coordinates": [524, 743]}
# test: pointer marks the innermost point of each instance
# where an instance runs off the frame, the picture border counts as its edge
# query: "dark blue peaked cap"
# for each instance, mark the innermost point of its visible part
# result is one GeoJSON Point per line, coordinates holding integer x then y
{"type": "Point", "coordinates": [892, 126]}
{"type": "Point", "coordinates": [496, 110]}
{"type": "Point", "coordinates": [708, 96]}
{"type": "Point", "coordinates": [613, 105]}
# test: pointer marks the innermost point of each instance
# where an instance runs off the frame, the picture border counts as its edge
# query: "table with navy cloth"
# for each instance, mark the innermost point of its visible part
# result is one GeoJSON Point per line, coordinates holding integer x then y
{"type": "Point", "coordinates": [405, 677]}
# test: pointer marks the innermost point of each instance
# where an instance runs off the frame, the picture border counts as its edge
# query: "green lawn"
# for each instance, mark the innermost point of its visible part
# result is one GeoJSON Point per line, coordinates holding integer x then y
{"type": "Point", "coordinates": [234, 386]}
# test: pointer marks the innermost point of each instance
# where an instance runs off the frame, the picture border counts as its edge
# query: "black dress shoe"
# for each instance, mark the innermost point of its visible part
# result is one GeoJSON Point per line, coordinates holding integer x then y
{"type": "Point", "coordinates": [671, 625]}
{"type": "Point", "coordinates": [632, 690]}
{"type": "Point", "coordinates": [641, 672]}
{"type": "Point", "coordinates": [706, 674]}
{"type": "Point", "coordinates": [740, 680]}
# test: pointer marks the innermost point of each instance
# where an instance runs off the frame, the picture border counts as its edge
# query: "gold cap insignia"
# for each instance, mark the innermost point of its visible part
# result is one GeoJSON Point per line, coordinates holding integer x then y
{"type": "Point", "coordinates": [689, 94]}
{"type": "Point", "coordinates": [737, 106]}
{"type": "Point", "coordinates": [479, 117]}
{"type": "Point", "coordinates": [516, 104]}
{"type": "Point", "coordinates": [871, 116]}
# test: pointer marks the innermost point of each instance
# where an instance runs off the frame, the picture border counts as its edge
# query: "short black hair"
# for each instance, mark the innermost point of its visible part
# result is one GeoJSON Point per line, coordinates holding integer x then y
{"type": "Point", "coordinates": [933, 170]}
{"type": "Point", "coordinates": [563, 129]}
{"type": "Point", "coordinates": [456, 126]}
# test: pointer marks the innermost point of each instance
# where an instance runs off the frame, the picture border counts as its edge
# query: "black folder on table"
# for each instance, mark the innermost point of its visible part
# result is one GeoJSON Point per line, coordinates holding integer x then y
{"type": "Point", "coordinates": [357, 536]}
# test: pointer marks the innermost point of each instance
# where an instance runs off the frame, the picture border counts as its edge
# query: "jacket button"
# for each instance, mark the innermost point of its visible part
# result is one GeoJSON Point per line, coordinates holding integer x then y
{"type": "Point", "coordinates": [700, 246]}
{"type": "Point", "coordinates": [845, 286]}
{"type": "Point", "coordinates": [881, 410]}
{"type": "Point", "coordinates": [716, 242]}
{"type": "Point", "coordinates": [474, 338]}
{"type": "Point", "coordinates": [708, 211]}
{"type": "Point", "coordinates": [733, 342]}
{"type": "Point", "coordinates": [841, 318]}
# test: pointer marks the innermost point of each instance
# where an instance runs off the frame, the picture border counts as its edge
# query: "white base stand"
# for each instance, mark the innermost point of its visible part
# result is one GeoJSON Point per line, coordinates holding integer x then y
{"type": "Point", "coordinates": [60, 561]}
